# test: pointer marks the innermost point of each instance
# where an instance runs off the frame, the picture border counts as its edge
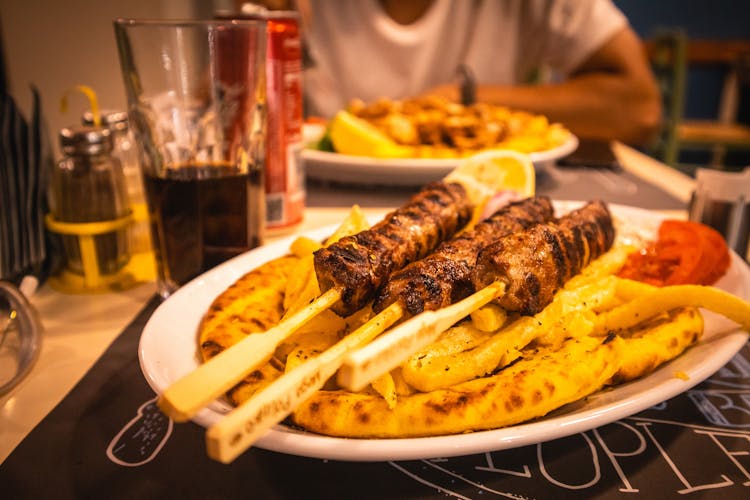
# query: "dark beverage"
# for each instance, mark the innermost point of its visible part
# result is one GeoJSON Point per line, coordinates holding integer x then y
{"type": "Point", "coordinates": [201, 215]}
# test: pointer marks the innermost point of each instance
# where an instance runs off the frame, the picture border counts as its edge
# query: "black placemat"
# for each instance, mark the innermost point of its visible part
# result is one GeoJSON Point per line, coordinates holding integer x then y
{"type": "Point", "coordinates": [107, 440]}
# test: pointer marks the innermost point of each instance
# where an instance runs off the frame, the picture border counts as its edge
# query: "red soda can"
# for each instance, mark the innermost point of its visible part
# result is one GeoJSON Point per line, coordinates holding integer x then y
{"type": "Point", "coordinates": [285, 177]}
{"type": "Point", "coordinates": [284, 172]}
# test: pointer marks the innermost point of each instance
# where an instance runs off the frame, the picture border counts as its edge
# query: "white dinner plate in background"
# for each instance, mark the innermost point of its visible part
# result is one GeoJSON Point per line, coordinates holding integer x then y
{"type": "Point", "coordinates": [350, 169]}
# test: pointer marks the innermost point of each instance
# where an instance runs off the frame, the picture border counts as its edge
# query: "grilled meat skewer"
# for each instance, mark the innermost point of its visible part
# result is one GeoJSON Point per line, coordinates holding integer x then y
{"type": "Point", "coordinates": [536, 263]}
{"type": "Point", "coordinates": [444, 276]}
{"type": "Point", "coordinates": [520, 272]}
{"type": "Point", "coordinates": [358, 264]}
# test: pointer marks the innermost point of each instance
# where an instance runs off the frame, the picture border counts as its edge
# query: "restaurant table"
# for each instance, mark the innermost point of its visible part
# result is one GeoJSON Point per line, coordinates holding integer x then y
{"type": "Point", "coordinates": [84, 423]}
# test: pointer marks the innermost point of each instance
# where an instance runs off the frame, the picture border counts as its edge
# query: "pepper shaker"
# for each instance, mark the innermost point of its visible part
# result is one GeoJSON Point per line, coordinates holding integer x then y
{"type": "Point", "coordinates": [88, 186]}
{"type": "Point", "coordinates": [124, 149]}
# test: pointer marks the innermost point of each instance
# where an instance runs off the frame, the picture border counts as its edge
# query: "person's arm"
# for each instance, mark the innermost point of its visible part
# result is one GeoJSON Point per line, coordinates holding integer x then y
{"type": "Point", "coordinates": [611, 96]}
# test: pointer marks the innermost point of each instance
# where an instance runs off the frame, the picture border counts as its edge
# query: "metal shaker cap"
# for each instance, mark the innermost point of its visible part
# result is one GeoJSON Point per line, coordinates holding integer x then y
{"type": "Point", "coordinates": [86, 140]}
{"type": "Point", "coordinates": [114, 119]}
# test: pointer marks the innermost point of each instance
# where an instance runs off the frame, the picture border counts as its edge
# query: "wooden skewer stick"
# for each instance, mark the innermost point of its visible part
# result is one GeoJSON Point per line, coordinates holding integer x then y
{"type": "Point", "coordinates": [237, 431]}
{"type": "Point", "coordinates": [392, 349]}
{"type": "Point", "coordinates": [188, 395]}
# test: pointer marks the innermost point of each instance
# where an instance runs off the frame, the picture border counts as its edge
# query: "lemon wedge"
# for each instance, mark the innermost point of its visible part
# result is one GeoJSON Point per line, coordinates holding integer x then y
{"type": "Point", "coordinates": [351, 135]}
{"type": "Point", "coordinates": [492, 171]}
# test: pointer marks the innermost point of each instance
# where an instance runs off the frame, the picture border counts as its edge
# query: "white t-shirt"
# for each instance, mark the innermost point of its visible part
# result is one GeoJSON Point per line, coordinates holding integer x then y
{"type": "Point", "coordinates": [358, 51]}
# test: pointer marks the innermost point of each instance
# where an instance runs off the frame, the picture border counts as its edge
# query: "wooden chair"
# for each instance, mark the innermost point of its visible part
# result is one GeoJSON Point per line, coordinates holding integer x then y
{"type": "Point", "coordinates": [672, 55]}
{"type": "Point", "coordinates": [666, 51]}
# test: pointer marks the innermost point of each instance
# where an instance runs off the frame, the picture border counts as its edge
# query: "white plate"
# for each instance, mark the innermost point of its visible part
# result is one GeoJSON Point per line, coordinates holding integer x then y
{"type": "Point", "coordinates": [401, 171]}
{"type": "Point", "coordinates": [168, 350]}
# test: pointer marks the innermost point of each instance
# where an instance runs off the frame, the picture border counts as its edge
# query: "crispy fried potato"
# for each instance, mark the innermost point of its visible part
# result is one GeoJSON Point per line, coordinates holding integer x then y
{"type": "Point", "coordinates": [386, 387]}
{"type": "Point", "coordinates": [489, 318]}
{"type": "Point", "coordinates": [435, 127]}
{"type": "Point", "coordinates": [402, 388]}
{"type": "Point", "coordinates": [304, 246]}
{"type": "Point", "coordinates": [539, 383]}
{"type": "Point", "coordinates": [664, 299]}
{"type": "Point", "coordinates": [458, 338]}
{"type": "Point", "coordinates": [570, 314]}
{"type": "Point", "coordinates": [354, 223]}
{"type": "Point", "coordinates": [606, 265]}
{"type": "Point", "coordinates": [301, 286]}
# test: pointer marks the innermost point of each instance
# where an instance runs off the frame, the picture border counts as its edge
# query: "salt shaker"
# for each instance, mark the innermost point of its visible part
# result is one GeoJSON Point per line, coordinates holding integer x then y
{"type": "Point", "coordinates": [88, 186]}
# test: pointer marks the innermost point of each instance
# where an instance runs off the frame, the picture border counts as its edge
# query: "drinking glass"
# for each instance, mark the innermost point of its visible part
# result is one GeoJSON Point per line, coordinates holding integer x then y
{"type": "Point", "coordinates": [196, 104]}
{"type": "Point", "coordinates": [722, 200]}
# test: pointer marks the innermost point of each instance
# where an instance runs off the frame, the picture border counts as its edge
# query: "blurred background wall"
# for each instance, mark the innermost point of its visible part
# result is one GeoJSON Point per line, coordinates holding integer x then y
{"type": "Point", "coordinates": [702, 20]}
{"type": "Point", "coordinates": [58, 44]}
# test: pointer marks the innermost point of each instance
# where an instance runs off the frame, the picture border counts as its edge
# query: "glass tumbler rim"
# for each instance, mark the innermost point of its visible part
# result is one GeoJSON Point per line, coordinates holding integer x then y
{"type": "Point", "coordinates": [186, 23]}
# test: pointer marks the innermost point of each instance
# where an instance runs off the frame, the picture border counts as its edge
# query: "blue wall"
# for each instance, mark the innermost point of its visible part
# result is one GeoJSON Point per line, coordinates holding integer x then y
{"type": "Point", "coordinates": [699, 19]}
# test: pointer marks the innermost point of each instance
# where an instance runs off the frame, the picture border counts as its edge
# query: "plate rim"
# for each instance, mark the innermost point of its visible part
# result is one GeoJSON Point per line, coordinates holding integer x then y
{"type": "Point", "coordinates": [326, 165]}
{"type": "Point", "coordinates": [287, 440]}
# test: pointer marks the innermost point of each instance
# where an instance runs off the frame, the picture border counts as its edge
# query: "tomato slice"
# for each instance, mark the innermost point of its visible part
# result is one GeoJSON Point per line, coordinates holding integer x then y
{"type": "Point", "coordinates": [684, 253]}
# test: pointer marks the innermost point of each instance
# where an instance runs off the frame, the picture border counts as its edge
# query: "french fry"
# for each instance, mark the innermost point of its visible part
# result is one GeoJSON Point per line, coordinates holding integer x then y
{"type": "Point", "coordinates": [386, 387]}
{"type": "Point", "coordinates": [489, 318]}
{"type": "Point", "coordinates": [354, 223]}
{"type": "Point", "coordinates": [665, 299]}
{"type": "Point", "coordinates": [401, 121]}
{"type": "Point", "coordinates": [301, 286]}
{"type": "Point", "coordinates": [565, 316]}
{"type": "Point", "coordinates": [304, 246]}
{"type": "Point", "coordinates": [402, 388]}
{"type": "Point", "coordinates": [458, 338]}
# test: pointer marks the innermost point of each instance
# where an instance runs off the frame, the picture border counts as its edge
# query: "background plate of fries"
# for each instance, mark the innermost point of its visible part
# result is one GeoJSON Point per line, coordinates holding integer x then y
{"type": "Point", "coordinates": [351, 169]}
{"type": "Point", "coordinates": [168, 351]}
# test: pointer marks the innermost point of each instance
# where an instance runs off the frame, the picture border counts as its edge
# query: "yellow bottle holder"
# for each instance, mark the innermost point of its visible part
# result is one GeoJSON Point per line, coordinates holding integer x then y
{"type": "Point", "coordinates": [141, 266]}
